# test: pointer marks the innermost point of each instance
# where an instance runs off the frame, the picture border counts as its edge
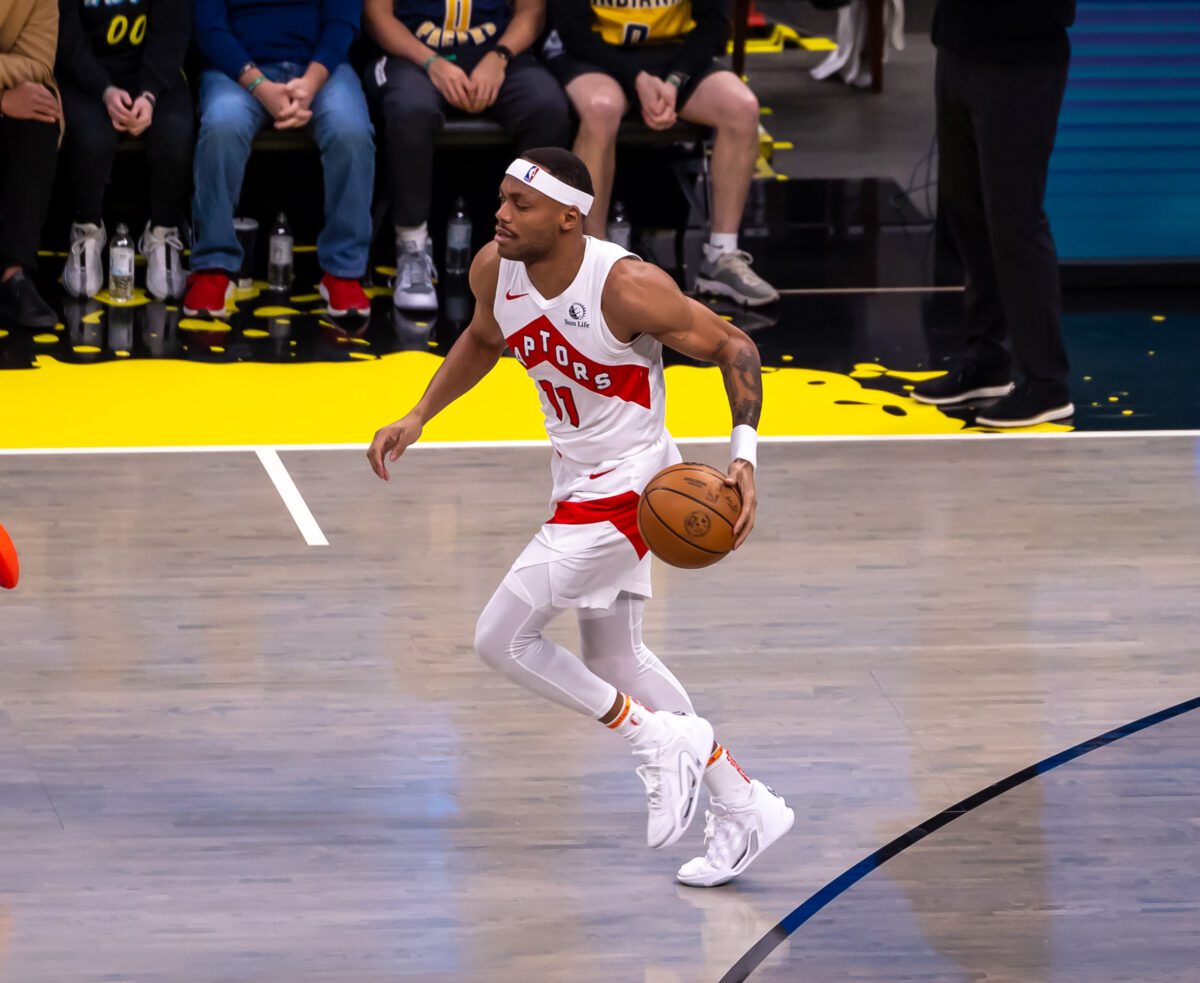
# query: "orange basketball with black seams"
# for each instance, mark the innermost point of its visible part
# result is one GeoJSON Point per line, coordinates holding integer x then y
{"type": "Point", "coordinates": [686, 515]}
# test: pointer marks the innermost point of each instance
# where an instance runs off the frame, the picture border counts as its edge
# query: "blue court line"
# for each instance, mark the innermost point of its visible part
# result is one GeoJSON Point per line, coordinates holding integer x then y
{"type": "Point", "coordinates": [843, 882]}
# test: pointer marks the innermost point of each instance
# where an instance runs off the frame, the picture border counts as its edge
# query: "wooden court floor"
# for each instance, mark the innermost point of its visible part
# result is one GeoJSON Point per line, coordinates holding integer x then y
{"type": "Point", "coordinates": [227, 755]}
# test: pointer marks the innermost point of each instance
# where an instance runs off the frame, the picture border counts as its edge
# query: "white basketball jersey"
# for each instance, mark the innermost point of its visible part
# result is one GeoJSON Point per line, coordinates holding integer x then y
{"type": "Point", "coordinates": [604, 400]}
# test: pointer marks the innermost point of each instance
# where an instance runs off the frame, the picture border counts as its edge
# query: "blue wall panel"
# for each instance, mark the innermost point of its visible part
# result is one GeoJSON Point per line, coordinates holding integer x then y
{"type": "Point", "coordinates": [1125, 176]}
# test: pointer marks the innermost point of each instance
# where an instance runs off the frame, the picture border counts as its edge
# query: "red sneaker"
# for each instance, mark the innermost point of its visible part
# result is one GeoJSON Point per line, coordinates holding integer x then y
{"type": "Point", "coordinates": [207, 293]}
{"type": "Point", "coordinates": [344, 297]}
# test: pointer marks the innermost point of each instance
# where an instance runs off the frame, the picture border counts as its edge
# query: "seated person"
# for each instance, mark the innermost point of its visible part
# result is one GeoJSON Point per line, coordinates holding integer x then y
{"type": "Point", "coordinates": [473, 57]}
{"type": "Point", "coordinates": [120, 69]}
{"type": "Point", "coordinates": [282, 63]}
{"type": "Point", "coordinates": [30, 124]}
{"type": "Point", "coordinates": [659, 58]}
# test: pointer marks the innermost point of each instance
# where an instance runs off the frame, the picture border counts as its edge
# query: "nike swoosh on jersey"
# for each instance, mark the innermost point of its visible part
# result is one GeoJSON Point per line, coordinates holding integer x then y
{"type": "Point", "coordinates": [601, 474]}
{"type": "Point", "coordinates": [509, 295]}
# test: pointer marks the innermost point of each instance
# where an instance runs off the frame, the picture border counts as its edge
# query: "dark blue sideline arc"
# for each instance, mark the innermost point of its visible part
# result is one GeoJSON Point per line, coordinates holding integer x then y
{"type": "Point", "coordinates": [843, 882]}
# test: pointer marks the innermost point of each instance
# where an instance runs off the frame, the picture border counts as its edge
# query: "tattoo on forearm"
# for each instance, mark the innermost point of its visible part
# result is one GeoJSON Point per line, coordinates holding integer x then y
{"type": "Point", "coordinates": [743, 383]}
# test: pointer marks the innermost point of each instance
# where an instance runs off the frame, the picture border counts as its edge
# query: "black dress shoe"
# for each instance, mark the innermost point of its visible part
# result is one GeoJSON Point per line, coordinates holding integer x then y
{"type": "Point", "coordinates": [1027, 406]}
{"type": "Point", "coordinates": [22, 305]}
{"type": "Point", "coordinates": [964, 380]}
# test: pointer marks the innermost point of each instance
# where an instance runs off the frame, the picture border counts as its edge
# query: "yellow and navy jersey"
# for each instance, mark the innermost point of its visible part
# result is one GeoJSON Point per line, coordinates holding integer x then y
{"type": "Point", "coordinates": [447, 23]}
{"type": "Point", "coordinates": [626, 22]}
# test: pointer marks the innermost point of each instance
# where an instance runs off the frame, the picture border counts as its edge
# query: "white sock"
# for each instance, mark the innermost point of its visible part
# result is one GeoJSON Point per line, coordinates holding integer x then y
{"type": "Point", "coordinates": [724, 777]}
{"type": "Point", "coordinates": [413, 236]}
{"type": "Point", "coordinates": [718, 243]}
{"type": "Point", "coordinates": [635, 723]}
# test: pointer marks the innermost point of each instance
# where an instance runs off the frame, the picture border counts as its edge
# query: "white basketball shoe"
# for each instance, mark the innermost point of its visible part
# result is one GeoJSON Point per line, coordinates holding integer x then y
{"type": "Point", "coordinates": [673, 759]}
{"type": "Point", "coordinates": [734, 836]}
{"type": "Point", "coordinates": [166, 279]}
{"type": "Point", "coordinates": [83, 273]}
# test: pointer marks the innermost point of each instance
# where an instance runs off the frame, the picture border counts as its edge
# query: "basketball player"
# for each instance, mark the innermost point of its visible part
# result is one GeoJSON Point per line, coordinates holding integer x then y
{"type": "Point", "coordinates": [588, 321]}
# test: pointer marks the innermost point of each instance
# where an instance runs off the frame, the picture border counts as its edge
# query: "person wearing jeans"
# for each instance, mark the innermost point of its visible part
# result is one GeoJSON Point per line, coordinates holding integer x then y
{"type": "Point", "coordinates": [282, 64]}
{"type": "Point", "coordinates": [120, 67]}
{"type": "Point", "coordinates": [439, 55]}
{"type": "Point", "coordinates": [1001, 75]}
{"type": "Point", "coordinates": [30, 125]}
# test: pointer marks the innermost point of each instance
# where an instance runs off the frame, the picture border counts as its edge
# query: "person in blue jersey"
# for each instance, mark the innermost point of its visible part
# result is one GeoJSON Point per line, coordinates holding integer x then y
{"type": "Point", "coordinates": [281, 63]}
{"type": "Point", "coordinates": [467, 56]}
{"type": "Point", "coordinates": [1001, 75]}
{"type": "Point", "coordinates": [120, 68]}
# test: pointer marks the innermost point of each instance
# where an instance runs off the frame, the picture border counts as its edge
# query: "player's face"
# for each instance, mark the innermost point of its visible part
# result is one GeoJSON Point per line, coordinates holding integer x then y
{"type": "Point", "coordinates": [528, 223]}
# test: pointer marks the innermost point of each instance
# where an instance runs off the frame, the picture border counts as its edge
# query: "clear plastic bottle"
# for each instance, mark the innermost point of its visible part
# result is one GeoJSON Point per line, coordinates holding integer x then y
{"type": "Point", "coordinates": [620, 232]}
{"type": "Point", "coordinates": [458, 240]}
{"type": "Point", "coordinates": [120, 266]}
{"type": "Point", "coordinates": [279, 255]}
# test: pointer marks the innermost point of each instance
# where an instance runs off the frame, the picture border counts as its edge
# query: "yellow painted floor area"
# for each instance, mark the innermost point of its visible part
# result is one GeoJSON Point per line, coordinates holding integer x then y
{"type": "Point", "coordinates": [148, 403]}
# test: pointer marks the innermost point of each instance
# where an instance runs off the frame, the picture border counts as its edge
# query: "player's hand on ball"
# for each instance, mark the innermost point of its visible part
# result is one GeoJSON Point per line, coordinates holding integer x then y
{"type": "Point", "coordinates": [741, 477]}
{"type": "Point", "coordinates": [392, 441]}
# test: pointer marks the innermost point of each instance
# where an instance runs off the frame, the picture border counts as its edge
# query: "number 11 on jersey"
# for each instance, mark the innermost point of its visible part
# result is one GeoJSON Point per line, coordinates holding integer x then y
{"type": "Point", "coordinates": [562, 400]}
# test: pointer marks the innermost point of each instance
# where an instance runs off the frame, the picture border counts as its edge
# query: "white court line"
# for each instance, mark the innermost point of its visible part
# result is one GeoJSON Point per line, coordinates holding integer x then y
{"type": "Point", "coordinates": [795, 291]}
{"type": "Point", "coordinates": [291, 496]}
{"type": "Point", "coordinates": [442, 445]}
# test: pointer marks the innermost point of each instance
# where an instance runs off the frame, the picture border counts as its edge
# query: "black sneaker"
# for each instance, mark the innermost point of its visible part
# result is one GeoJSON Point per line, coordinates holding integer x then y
{"type": "Point", "coordinates": [964, 380]}
{"type": "Point", "coordinates": [21, 304]}
{"type": "Point", "coordinates": [1027, 406]}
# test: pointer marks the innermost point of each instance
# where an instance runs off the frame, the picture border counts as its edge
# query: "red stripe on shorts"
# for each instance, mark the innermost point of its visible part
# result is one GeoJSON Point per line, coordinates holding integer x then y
{"type": "Point", "coordinates": [620, 510]}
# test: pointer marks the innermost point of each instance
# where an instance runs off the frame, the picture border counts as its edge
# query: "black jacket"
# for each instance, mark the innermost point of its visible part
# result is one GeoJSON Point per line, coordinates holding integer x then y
{"type": "Point", "coordinates": [139, 45]}
{"type": "Point", "coordinates": [1006, 32]}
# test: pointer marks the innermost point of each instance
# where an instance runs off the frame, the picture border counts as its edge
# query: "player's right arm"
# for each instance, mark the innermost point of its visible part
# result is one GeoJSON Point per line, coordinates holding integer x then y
{"type": "Point", "coordinates": [470, 359]}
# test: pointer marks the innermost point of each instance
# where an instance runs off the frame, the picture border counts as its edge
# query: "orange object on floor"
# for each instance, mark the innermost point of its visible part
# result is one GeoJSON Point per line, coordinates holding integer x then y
{"type": "Point", "coordinates": [10, 566]}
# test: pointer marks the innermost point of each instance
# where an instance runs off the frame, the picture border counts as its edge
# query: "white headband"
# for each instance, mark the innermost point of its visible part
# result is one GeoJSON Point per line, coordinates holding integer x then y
{"type": "Point", "coordinates": [541, 180]}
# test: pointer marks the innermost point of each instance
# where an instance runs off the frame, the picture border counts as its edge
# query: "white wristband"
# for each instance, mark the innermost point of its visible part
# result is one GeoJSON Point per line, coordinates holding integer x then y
{"type": "Point", "coordinates": [744, 444]}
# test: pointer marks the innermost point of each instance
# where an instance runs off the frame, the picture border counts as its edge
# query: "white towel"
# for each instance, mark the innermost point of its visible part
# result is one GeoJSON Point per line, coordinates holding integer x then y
{"type": "Point", "coordinates": [852, 60]}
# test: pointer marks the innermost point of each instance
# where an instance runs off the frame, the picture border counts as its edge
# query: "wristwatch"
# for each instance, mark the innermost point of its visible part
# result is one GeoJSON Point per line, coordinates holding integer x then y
{"type": "Point", "coordinates": [678, 79]}
{"type": "Point", "coordinates": [504, 52]}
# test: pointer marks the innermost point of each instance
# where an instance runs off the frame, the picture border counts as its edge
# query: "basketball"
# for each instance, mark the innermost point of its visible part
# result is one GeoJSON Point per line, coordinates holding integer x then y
{"type": "Point", "coordinates": [687, 514]}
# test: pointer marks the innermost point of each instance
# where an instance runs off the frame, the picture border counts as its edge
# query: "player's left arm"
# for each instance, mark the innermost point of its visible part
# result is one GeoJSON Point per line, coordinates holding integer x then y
{"type": "Point", "coordinates": [639, 298]}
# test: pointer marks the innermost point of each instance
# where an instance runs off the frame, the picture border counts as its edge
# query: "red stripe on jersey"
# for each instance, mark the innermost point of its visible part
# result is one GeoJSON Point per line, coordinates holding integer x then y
{"type": "Point", "coordinates": [620, 510]}
{"type": "Point", "coordinates": [540, 341]}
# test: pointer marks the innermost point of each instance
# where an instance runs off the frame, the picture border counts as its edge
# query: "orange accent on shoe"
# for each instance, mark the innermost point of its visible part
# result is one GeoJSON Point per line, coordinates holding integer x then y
{"type": "Point", "coordinates": [716, 756]}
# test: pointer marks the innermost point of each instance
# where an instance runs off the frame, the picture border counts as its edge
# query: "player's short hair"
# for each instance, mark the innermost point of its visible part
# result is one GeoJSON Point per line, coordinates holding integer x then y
{"type": "Point", "coordinates": [563, 165]}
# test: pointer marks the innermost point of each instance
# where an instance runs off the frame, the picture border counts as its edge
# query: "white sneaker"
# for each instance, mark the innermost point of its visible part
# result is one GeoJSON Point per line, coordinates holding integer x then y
{"type": "Point", "coordinates": [163, 249]}
{"type": "Point", "coordinates": [730, 275]}
{"type": "Point", "coordinates": [413, 288]}
{"type": "Point", "coordinates": [672, 770]}
{"type": "Point", "coordinates": [735, 835]}
{"type": "Point", "coordinates": [83, 274]}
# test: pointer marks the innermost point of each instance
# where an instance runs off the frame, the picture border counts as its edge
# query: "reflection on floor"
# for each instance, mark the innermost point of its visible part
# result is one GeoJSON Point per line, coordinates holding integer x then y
{"type": "Point", "coordinates": [858, 326]}
{"type": "Point", "coordinates": [1035, 885]}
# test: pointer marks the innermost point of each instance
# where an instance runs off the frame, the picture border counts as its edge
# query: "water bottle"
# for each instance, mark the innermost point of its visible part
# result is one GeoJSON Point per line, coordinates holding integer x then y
{"type": "Point", "coordinates": [620, 232]}
{"type": "Point", "coordinates": [458, 240]}
{"type": "Point", "coordinates": [279, 260]}
{"type": "Point", "coordinates": [120, 266]}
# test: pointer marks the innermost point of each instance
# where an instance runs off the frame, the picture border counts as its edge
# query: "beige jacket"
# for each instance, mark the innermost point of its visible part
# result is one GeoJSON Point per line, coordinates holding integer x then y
{"type": "Point", "coordinates": [28, 36]}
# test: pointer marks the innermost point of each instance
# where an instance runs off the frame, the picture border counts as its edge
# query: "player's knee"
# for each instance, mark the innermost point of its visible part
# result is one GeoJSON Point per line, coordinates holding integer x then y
{"type": "Point", "coordinates": [602, 110]}
{"type": "Point", "coordinates": [495, 645]}
{"type": "Point", "coordinates": [740, 111]}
